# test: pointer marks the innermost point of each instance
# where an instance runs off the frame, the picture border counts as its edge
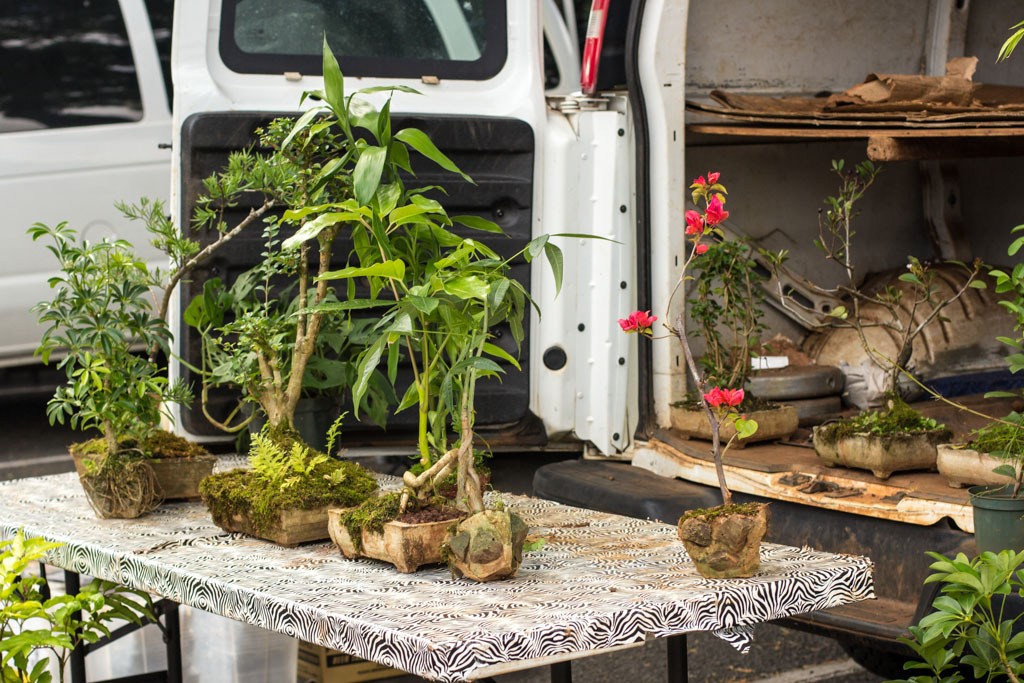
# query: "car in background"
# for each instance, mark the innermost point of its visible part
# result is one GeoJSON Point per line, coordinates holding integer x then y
{"type": "Point", "coordinates": [85, 121]}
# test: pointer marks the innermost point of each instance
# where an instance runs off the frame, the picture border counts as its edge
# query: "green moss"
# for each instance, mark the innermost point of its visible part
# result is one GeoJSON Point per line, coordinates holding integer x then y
{"type": "Point", "coordinates": [1001, 439]}
{"type": "Point", "coordinates": [243, 492]}
{"type": "Point", "coordinates": [371, 515]}
{"type": "Point", "coordinates": [159, 444]}
{"type": "Point", "coordinates": [898, 418]}
{"type": "Point", "coordinates": [748, 509]}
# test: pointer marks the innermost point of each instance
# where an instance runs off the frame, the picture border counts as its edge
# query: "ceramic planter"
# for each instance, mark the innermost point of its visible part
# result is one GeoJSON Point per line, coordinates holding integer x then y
{"type": "Point", "coordinates": [290, 528]}
{"type": "Point", "coordinates": [883, 454]}
{"type": "Point", "coordinates": [176, 478]}
{"type": "Point", "coordinates": [775, 423]}
{"type": "Point", "coordinates": [965, 466]}
{"type": "Point", "coordinates": [998, 518]}
{"type": "Point", "coordinates": [725, 545]}
{"type": "Point", "coordinates": [406, 546]}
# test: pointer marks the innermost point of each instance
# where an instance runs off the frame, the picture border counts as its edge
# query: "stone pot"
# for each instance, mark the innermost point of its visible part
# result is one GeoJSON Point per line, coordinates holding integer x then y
{"type": "Point", "coordinates": [774, 423]}
{"type": "Point", "coordinates": [998, 518]}
{"type": "Point", "coordinates": [407, 546]}
{"type": "Point", "coordinates": [883, 454]}
{"type": "Point", "coordinates": [965, 466]}
{"type": "Point", "coordinates": [487, 546]}
{"type": "Point", "coordinates": [725, 544]}
{"type": "Point", "coordinates": [292, 526]}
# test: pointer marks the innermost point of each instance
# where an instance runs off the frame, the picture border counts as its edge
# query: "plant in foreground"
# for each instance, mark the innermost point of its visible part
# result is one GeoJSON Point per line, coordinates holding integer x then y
{"type": "Point", "coordinates": [972, 625]}
{"type": "Point", "coordinates": [32, 624]}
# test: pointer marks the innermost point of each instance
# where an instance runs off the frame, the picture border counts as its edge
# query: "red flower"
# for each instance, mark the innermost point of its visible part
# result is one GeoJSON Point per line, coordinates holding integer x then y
{"type": "Point", "coordinates": [638, 321]}
{"type": "Point", "coordinates": [699, 182]}
{"type": "Point", "coordinates": [718, 397]}
{"type": "Point", "coordinates": [716, 213]}
{"type": "Point", "coordinates": [701, 249]}
{"type": "Point", "coordinates": [713, 177]}
{"type": "Point", "coordinates": [694, 223]}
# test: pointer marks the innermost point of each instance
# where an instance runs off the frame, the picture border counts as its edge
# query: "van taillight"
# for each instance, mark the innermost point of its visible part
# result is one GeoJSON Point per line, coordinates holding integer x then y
{"type": "Point", "coordinates": [592, 46]}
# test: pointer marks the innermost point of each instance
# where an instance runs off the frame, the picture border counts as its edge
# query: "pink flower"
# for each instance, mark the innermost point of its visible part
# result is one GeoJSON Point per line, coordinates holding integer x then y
{"type": "Point", "coordinates": [713, 177]}
{"type": "Point", "coordinates": [718, 397]}
{"type": "Point", "coordinates": [699, 182]}
{"type": "Point", "coordinates": [701, 249]}
{"type": "Point", "coordinates": [716, 213]}
{"type": "Point", "coordinates": [638, 321]}
{"type": "Point", "coordinates": [694, 223]}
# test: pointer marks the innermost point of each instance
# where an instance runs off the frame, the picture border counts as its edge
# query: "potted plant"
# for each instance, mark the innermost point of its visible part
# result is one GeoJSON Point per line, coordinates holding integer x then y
{"type": "Point", "coordinates": [285, 493]}
{"type": "Point", "coordinates": [971, 628]}
{"type": "Point", "coordinates": [726, 306]}
{"type": "Point", "coordinates": [886, 320]}
{"type": "Point", "coordinates": [724, 541]}
{"type": "Point", "coordinates": [36, 628]}
{"type": "Point", "coordinates": [106, 323]}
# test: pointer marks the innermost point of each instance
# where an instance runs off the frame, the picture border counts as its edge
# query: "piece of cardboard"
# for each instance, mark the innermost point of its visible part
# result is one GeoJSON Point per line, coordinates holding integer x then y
{"type": "Point", "coordinates": [318, 664]}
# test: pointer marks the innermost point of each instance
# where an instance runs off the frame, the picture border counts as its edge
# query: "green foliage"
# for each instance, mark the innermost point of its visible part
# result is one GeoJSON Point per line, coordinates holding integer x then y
{"type": "Point", "coordinates": [285, 474]}
{"type": "Point", "coordinates": [969, 626]}
{"type": "Point", "coordinates": [727, 296]}
{"type": "Point", "coordinates": [371, 515]}
{"type": "Point", "coordinates": [897, 418]}
{"type": "Point", "coordinates": [1011, 43]}
{"type": "Point", "coordinates": [101, 314]}
{"type": "Point", "coordinates": [31, 625]}
{"type": "Point", "coordinates": [1010, 284]}
{"type": "Point", "coordinates": [1004, 439]}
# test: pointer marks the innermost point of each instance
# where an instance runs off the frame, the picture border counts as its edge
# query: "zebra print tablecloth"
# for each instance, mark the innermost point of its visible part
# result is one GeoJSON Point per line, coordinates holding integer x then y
{"type": "Point", "coordinates": [600, 581]}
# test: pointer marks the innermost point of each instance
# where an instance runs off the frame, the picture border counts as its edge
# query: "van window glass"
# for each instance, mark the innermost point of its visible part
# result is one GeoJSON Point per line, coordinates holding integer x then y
{"type": "Point", "coordinates": [65, 63]}
{"type": "Point", "coordinates": [463, 39]}
{"type": "Point", "coordinates": [161, 15]}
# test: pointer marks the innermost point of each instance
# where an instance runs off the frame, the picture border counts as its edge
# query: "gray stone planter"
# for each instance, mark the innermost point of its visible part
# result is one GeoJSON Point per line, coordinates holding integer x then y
{"type": "Point", "coordinates": [883, 454]}
{"type": "Point", "coordinates": [776, 423]}
{"type": "Point", "coordinates": [967, 467]}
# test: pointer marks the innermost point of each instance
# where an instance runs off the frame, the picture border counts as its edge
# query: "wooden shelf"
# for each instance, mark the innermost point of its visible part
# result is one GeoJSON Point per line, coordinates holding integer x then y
{"type": "Point", "coordinates": [885, 143]}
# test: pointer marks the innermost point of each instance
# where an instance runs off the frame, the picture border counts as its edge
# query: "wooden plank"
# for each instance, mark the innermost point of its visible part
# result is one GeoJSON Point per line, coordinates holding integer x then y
{"type": "Point", "coordinates": [817, 131]}
{"type": "Point", "coordinates": [927, 148]}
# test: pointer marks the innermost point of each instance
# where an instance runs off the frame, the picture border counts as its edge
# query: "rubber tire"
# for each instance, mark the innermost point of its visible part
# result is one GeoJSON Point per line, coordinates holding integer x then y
{"type": "Point", "coordinates": [796, 381]}
{"type": "Point", "coordinates": [888, 665]}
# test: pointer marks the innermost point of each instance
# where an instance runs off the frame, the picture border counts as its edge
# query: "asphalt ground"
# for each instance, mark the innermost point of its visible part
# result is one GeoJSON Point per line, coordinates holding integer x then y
{"type": "Point", "coordinates": [31, 447]}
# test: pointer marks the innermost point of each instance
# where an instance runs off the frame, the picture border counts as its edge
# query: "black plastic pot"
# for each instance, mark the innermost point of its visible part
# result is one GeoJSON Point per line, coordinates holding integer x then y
{"type": "Point", "coordinates": [998, 518]}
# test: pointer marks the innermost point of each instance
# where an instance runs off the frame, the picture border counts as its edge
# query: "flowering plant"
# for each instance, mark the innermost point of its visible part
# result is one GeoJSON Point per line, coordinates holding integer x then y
{"type": "Point", "coordinates": [720, 404]}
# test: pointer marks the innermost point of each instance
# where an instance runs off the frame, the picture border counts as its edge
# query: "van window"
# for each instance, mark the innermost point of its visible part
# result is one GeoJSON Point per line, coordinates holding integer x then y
{"type": "Point", "coordinates": [161, 15]}
{"type": "Point", "coordinates": [461, 39]}
{"type": "Point", "coordinates": [66, 63]}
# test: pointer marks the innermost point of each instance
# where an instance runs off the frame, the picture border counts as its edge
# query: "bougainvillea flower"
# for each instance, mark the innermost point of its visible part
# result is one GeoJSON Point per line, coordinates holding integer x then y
{"type": "Point", "coordinates": [699, 182]}
{"type": "Point", "coordinates": [694, 223]}
{"type": "Point", "coordinates": [716, 213]}
{"type": "Point", "coordinates": [718, 397]}
{"type": "Point", "coordinates": [713, 177]}
{"type": "Point", "coordinates": [638, 321]}
{"type": "Point", "coordinates": [701, 249]}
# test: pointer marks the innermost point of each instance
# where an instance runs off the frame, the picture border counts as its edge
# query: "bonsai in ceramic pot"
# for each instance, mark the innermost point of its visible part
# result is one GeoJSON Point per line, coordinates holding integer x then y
{"type": "Point", "coordinates": [723, 541]}
{"type": "Point", "coordinates": [886, 320]}
{"type": "Point", "coordinates": [106, 323]}
{"type": "Point", "coordinates": [726, 307]}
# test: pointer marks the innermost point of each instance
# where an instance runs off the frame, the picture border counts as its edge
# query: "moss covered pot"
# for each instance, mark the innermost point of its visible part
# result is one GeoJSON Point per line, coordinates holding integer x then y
{"type": "Point", "coordinates": [374, 530]}
{"type": "Point", "coordinates": [725, 542]}
{"type": "Point", "coordinates": [487, 546]}
{"type": "Point", "coordinates": [177, 463]}
{"type": "Point", "coordinates": [290, 513]}
{"type": "Point", "coordinates": [883, 454]}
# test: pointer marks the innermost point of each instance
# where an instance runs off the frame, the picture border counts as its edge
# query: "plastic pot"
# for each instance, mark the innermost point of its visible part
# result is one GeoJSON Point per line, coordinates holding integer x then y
{"type": "Point", "coordinates": [998, 518]}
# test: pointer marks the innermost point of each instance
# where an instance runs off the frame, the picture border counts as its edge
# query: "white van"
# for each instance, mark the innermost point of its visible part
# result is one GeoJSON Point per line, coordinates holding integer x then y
{"type": "Point", "coordinates": [85, 122]}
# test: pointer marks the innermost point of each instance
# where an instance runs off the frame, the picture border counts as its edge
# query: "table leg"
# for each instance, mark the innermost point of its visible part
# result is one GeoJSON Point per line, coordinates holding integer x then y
{"type": "Point", "coordinates": [677, 665]}
{"type": "Point", "coordinates": [72, 585]}
{"type": "Point", "coordinates": [172, 641]}
{"type": "Point", "coordinates": [561, 672]}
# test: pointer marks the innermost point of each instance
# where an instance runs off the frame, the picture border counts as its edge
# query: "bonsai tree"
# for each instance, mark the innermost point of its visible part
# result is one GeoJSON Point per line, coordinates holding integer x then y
{"type": "Point", "coordinates": [723, 541]}
{"type": "Point", "coordinates": [106, 323]}
{"type": "Point", "coordinates": [900, 311]}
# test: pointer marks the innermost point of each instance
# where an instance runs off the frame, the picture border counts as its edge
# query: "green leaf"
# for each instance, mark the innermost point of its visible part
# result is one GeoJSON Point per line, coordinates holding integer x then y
{"type": "Point", "coordinates": [368, 361]}
{"type": "Point", "coordinates": [419, 141]}
{"type": "Point", "coordinates": [535, 247]}
{"type": "Point", "coordinates": [979, 284]}
{"type": "Point", "coordinates": [478, 223]}
{"type": "Point", "coordinates": [498, 352]}
{"type": "Point", "coordinates": [351, 305]}
{"type": "Point", "coordinates": [394, 269]}
{"type": "Point", "coordinates": [910, 277]}
{"type": "Point", "coordinates": [423, 304]}
{"type": "Point", "coordinates": [300, 124]}
{"type": "Point", "coordinates": [1006, 470]}
{"type": "Point", "coordinates": [409, 399]}
{"type": "Point", "coordinates": [311, 229]}
{"type": "Point", "coordinates": [334, 81]}
{"type": "Point", "coordinates": [366, 176]}
{"type": "Point", "coordinates": [745, 428]}
{"type": "Point", "coordinates": [555, 260]}
{"type": "Point", "coordinates": [467, 287]}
